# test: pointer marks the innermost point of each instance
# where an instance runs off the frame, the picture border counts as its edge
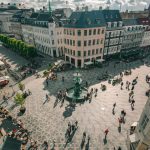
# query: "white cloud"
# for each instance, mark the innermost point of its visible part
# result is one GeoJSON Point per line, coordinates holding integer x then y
{"type": "Point", "coordinates": [93, 4]}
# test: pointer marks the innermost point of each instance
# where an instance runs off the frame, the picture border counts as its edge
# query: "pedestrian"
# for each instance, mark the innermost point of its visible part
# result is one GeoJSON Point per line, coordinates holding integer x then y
{"type": "Point", "coordinates": [128, 86]}
{"type": "Point", "coordinates": [76, 124]}
{"type": "Point", "coordinates": [119, 148]}
{"type": "Point", "coordinates": [47, 97]}
{"type": "Point", "coordinates": [127, 83]}
{"type": "Point", "coordinates": [86, 84]}
{"type": "Point", "coordinates": [47, 82]}
{"type": "Point", "coordinates": [132, 103]}
{"type": "Point", "coordinates": [121, 85]}
{"type": "Point", "coordinates": [132, 88]}
{"type": "Point", "coordinates": [84, 135]}
{"type": "Point", "coordinates": [63, 79]}
{"type": "Point", "coordinates": [106, 132]}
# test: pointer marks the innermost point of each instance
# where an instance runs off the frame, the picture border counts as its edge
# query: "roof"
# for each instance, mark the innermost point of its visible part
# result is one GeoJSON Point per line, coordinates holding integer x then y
{"type": "Point", "coordinates": [34, 15]}
{"type": "Point", "coordinates": [143, 21]}
{"type": "Point", "coordinates": [44, 16]}
{"type": "Point", "coordinates": [86, 19]}
{"type": "Point", "coordinates": [112, 15]}
{"type": "Point", "coordinates": [130, 22]}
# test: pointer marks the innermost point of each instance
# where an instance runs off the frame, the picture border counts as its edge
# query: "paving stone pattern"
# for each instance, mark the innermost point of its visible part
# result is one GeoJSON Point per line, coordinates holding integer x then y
{"type": "Point", "coordinates": [49, 121]}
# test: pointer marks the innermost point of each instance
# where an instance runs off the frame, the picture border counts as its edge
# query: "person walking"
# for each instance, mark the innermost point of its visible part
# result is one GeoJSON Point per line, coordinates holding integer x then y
{"type": "Point", "coordinates": [106, 133]}
{"type": "Point", "coordinates": [121, 85]}
{"type": "Point", "coordinates": [132, 103]}
{"type": "Point", "coordinates": [113, 110]}
{"type": "Point", "coordinates": [63, 79]}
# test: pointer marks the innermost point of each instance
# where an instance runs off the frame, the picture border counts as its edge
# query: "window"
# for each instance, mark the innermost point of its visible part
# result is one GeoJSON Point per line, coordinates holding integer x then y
{"type": "Point", "coordinates": [93, 42]}
{"type": "Point", "coordinates": [100, 50]}
{"type": "Point", "coordinates": [64, 31]}
{"type": "Point", "coordinates": [70, 42]}
{"type": "Point", "coordinates": [89, 43]}
{"type": "Point", "coordinates": [109, 24]}
{"type": "Point", "coordinates": [70, 32]}
{"type": "Point", "coordinates": [79, 32]}
{"type": "Point", "coordinates": [89, 52]}
{"type": "Point", "coordinates": [96, 51]}
{"type": "Point", "coordinates": [85, 43]}
{"type": "Point", "coordinates": [65, 41]}
{"type": "Point", "coordinates": [90, 32]}
{"type": "Point", "coordinates": [73, 53]}
{"type": "Point", "coordinates": [73, 32]}
{"type": "Point", "coordinates": [103, 31]}
{"type": "Point", "coordinates": [79, 43]}
{"type": "Point", "coordinates": [94, 31]}
{"type": "Point", "coordinates": [51, 32]}
{"type": "Point", "coordinates": [97, 41]}
{"type": "Point", "coordinates": [85, 32]}
{"type": "Point", "coordinates": [52, 42]}
{"type": "Point", "coordinates": [79, 53]}
{"type": "Point", "coordinates": [144, 122]}
{"type": "Point", "coordinates": [93, 52]}
{"type": "Point", "coordinates": [101, 41]}
{"type": "Point", "coordinates": [98, 31]}
{"type": "Point", "coordinates": [73, 42]}
{"type": "Point", "coordinates": [84, 53]}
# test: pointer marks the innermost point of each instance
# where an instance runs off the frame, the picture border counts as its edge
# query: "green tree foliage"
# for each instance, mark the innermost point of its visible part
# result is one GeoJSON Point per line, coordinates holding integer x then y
{"type": "Point", "coordinates": [19, 99]}
{"type": "Point", "coordinates": [18, 46]}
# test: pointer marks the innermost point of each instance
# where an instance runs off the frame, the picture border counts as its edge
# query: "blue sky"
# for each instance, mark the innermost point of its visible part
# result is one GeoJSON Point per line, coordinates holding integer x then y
{"type": "Point", "coordinates": [93, 4]}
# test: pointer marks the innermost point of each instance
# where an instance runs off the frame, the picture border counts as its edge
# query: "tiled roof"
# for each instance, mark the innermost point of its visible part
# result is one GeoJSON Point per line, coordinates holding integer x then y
{"type": "Point", "coordinates": [130, 22]}
{"type": "Point", "coordinates": [43, 16]}
{"type": "Point", "coordinates": [143, 21]}
{"type": "Point", "coordinates": [86, 19]}
{"type": "Point", "coordinates": [34, 15]}
{"type": "Point", "coordinates": [112, 15]}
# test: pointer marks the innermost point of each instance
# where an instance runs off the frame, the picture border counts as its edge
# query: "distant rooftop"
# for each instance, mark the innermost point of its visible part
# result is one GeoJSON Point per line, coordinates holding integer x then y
{"type": "Point", "coordinates": [130, 22]}
{"type": "Point", "coordinates": [86, 19]}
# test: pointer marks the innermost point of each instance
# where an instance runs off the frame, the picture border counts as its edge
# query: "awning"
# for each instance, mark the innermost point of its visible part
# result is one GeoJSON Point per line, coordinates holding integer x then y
{"type": "Point", "coordinates": [100, 60]}
{"type": "Point", "coordinates": [134, 137]}
{"type": "Point", "coordinates": [88, 63]}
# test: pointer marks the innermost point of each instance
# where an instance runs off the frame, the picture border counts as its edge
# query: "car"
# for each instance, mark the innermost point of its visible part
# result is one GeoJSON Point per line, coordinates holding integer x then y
{"type": "Point", "coordinates": [4, 80]}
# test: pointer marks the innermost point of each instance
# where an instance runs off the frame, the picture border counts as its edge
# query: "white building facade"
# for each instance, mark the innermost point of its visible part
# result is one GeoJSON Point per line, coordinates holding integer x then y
{"type": "Point", "coordinates": [114, 33]}
{"type": "Point", "coordinates": [132, 39]}
{"type": "Point", "coordinates": [140, 139]}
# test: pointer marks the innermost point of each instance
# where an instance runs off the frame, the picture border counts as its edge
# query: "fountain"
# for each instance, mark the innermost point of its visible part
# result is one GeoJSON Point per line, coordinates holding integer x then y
{"type": "Point", "coordinates": [77, 93]}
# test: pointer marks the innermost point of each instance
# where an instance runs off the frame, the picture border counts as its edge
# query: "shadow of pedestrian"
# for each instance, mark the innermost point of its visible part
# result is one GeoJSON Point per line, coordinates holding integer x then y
{"type": "Point", "coordinates": [71, 137]}
{"type": "Point", "coordinates": [119, 129]}
{"type": "Point", "coordinates": [82, 143]}
{"type": "Point", "coordinates": [87, 145]}
{"type": "Point", "coordinates": [68, 111]}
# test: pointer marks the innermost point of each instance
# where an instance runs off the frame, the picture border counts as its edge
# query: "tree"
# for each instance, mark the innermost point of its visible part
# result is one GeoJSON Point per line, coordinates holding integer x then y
{"type": "Point", "coordinates": [19, 99]}
{"type": "Point", "coordinates": [21, 86]}
{"type": "Point", "coordinates": [31, 51]}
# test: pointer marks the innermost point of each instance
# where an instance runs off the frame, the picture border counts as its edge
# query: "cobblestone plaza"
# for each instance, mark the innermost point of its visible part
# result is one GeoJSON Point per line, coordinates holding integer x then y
{"type": "Point", "coordinates": [49, 121]}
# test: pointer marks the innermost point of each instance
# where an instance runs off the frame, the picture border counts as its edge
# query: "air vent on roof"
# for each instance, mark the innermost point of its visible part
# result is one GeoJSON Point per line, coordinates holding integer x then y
{"type": "Point", "coordinates": [98, 20]}
{"type": "Point", "coordinates": [74, 21]}
{"type": "Point", "coordinates": [88, 21]}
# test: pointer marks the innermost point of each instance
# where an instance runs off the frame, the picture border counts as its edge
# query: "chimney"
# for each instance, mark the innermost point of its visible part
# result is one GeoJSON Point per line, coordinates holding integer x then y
{"type": "Point", "coordinates": [100, 7]}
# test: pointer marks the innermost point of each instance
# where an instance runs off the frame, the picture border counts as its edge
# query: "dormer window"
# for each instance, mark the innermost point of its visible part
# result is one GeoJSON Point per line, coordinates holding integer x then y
{"type": "Point", "coordinates": [74, 21]}
{"type": "Point", "coordinates": [115, 24]}
{"type": "Point", "coordinates": [109, 24]}
{"type": "Point", "coordinates": [120, 23]}
{"type": "Point", "coordinates": [88, 21]}
{"type": "Point", "coordinates": [98, 20]}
